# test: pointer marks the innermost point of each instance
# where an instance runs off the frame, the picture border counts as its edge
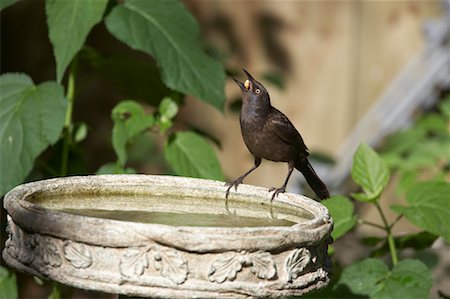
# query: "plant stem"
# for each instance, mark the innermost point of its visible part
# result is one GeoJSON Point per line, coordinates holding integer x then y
{"type": "Point", "coordinates": [400, 216]}
{"type": "Point", "coordinates": [67, 134]}
{"type": "Point", "coordinates": [362, 221]}
{"type": "Point", "coordinates": [390, 237]}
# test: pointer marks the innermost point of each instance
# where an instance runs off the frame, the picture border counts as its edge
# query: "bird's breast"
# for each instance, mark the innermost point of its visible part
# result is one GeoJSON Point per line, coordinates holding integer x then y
{"type": "Point", "coordinates": [263, 142]}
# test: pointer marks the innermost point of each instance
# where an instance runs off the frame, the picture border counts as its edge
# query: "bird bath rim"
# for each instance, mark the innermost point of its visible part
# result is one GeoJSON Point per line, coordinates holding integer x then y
{"type": "Point", "coordinates": [70, 237]}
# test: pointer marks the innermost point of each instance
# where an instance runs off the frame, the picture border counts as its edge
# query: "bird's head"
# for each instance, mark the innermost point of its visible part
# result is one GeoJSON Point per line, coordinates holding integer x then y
{"type": "Point", "coordinates": [252, 88]}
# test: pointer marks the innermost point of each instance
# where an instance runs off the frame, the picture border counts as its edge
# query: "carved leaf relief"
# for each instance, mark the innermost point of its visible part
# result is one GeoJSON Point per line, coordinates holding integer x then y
{"type": "Point", "coordinates": [47, 253]}
{"type": "Point", "coordinates": [225, 267]}
{"type": "Point", "coordinates": [79, 255]}
{"type": "Point", "coordinates": [133, 262]}
{"type": "Point", "coordinates": [297, 262]}
{"type": "Point", "coordinates": [263, 265]}
{"type": "Point", "coordinates": [171, 265]}
{"type": "Point", "coordinates": [17, 245]}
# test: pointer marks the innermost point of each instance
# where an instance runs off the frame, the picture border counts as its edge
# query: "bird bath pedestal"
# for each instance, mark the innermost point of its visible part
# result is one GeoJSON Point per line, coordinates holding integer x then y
{"type": "Point", "coordinates": [166, 237]}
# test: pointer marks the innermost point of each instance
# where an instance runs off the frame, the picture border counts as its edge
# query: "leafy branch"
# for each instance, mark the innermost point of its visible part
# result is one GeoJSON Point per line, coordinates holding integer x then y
{"type": "Point", "coordinates": [426, 200]}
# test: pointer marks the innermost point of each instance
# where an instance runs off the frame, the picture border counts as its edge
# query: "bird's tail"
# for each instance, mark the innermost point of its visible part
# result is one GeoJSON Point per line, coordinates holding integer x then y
{"type": "Point", "coordinates": [319, 187]}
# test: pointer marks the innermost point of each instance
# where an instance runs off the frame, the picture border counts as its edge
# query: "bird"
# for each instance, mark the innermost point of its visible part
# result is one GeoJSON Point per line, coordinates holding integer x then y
{"type": "Point", "coordinates": [269, 134]}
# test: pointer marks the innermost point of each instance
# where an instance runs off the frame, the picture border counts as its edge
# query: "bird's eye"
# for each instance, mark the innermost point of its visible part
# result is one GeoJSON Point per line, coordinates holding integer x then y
{"type": "Point", "coordinates": [257, 90]}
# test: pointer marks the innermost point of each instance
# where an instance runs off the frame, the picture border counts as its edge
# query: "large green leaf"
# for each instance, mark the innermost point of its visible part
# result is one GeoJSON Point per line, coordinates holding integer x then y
{"type": "Point", "coordinates": [341, 209]}
{"type": "Point", "coordinates": [369, 171]}
{"type": "Point", "coordinates": [371, 277]}
{"type": "Point", "coordinates": [168, 32]}
{"type": "Point", "coordinates": [31, 118]}
{"type": "Point", "coordinates": [69, 23]}
{"type": "Point", "coordinates": [427, 208]}
{"type": "Point", "coordinates": [129, 120]}
{"type": "Point", "coordinates": [191, 155]}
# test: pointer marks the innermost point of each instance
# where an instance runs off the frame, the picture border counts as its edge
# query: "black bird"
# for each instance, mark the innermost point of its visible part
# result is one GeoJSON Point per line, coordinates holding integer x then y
{"type": "Point", "coordinates": [269, 134]}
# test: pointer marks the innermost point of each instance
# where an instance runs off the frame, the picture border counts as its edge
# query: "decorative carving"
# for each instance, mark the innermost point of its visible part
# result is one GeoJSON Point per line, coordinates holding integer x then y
{"type": "Point", "coordinates": [168, 262]}
{"type": "Point", "coordinates": [134, 262]}
{"type": "Point", "coordinates": [47, 253]}
{"type": "Point", "coordinates": [79, 255]}
{"type": "Point", "coordinates": [227, 266]}
{"type": "Point", "coordinates": [297, 262]}
{"type": "Point", "coordinates": [263, 265]}
{"type": "Point", "coordinates": [171, 265]}
{"type": "Point", "coordinates": [31, 248]}
{"type": "Point", "coordinates": [17, 245]}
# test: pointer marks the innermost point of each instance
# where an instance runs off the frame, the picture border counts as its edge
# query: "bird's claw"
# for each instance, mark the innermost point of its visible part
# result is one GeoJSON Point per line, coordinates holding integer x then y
{"type": "Point", "coordinates": [276, 191]}
{"type": "Point", "coordinates": [236, 183]}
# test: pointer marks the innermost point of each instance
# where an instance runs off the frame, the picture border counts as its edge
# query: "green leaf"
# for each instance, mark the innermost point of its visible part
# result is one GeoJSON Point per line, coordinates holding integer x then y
{"type": "Point", "coordinates": [4, 4]}
{"type": "Point", "coordinates": [433, 123]}
{"type": "Point", "coordinates": [369, 171]}
{"type": "Point", "coordinates": [362, 197]}
{"type": "Point", "coordinates": [167, 110]}
{"type": "Point", "coordinates": [365, 277]}
{"type": "Point", "coordinates": [167, 31]}
{"type": "Point", "coordinates": [8, 285]}
{"type": "Point", "coordinates": [408, 279]}
{"type": "Point", "coordinates": [371, 277]}
{"type": "Point", "coordinates": [191, 155]}
{"type": "Point", "coordinates": [31, 119]}
{"type": "Point", "coordinates": [341, 209]}
{"type": "Point", "coordinates": [132, 77]}
{"type": "Point", "coordinates": [406, 179]}
{"type": "Point", "coordinates": [403, 141]}
{"type": "Point", "coordinates": [427, 208]}
{"type": "Point", "coordinates": [114, 168]}
{"type": "Point", "coordinates": [69, 23]}
{"type": "Point", "coordinates": [129, 120]}
{"type": "Point", "coordinates": [80, 132]}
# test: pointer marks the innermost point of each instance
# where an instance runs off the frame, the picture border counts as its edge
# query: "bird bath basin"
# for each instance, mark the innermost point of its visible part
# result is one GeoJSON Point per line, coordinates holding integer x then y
{"type": "Point", "coordinates": [163, 236]}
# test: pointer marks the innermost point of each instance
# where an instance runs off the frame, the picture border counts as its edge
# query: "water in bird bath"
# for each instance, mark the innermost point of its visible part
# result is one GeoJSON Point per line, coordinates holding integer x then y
{"type": "Point", "coordinates": [170, 210]}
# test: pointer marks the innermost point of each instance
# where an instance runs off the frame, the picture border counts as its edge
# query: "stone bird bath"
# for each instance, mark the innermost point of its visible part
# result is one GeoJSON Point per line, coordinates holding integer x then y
{"type": "Point", "coordinates": [163, 237]}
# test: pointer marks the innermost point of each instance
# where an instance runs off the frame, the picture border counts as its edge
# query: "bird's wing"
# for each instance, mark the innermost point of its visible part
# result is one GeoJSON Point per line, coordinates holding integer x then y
{"type": "Point", "coordinates": [285, 130]}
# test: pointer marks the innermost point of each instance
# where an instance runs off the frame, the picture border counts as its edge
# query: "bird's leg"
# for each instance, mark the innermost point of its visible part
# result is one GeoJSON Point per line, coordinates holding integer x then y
{"type": "Point", "coordinates": [239, 180]}
{"type": "Point", "coordinates": [276, 191]}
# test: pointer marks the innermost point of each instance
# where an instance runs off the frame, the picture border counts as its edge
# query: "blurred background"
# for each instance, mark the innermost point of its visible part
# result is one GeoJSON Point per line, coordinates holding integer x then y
{"type": "Point", "coordinates": [342, 71]}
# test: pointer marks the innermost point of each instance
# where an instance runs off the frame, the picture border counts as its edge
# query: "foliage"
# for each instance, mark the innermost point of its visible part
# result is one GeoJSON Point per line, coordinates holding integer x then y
{"type": "Point", "coordinates": [341, 209]}
{"type": "Point", "coordinates": [184, 65]}
{"type": "Point", "coordinates": [38, 117]}
{"type": "Point", "coordinates": [31, 119]}
{"type": "Point", "coordinates": [371, 277]}
{"type": "Point", "coordinates": [422, 147]}
{"type": "Point", "coordinates": [8, 287]}
{"type": "Point", "coordinates": [34, 117]}
{"type": "Point", "coordinates": [427, 208]}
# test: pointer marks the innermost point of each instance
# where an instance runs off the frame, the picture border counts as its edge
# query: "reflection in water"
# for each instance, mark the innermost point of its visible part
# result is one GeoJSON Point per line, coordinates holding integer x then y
{"type": "Point", "coordinates": [182, 219]}
{"type": "Point", "coordinates": [173, 210]}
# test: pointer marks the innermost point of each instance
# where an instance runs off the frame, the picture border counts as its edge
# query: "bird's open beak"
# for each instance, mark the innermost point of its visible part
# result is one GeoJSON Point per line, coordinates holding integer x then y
{"type": "Point", "coordinates": [240, 84]}
{"type": "Point", "coordinates": [250, 82]}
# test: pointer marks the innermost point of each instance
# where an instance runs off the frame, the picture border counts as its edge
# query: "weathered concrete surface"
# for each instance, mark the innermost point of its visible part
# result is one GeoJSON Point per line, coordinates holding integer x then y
{"type": "Point", "coordinates": [157, 260]}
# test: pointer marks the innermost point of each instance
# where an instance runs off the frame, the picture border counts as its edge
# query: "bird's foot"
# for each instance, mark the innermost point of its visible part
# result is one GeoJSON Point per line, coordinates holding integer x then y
{"type": "Point", "coordinates": [277, 191]}
{"type": "Point", "coordinates": [235, 183]}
